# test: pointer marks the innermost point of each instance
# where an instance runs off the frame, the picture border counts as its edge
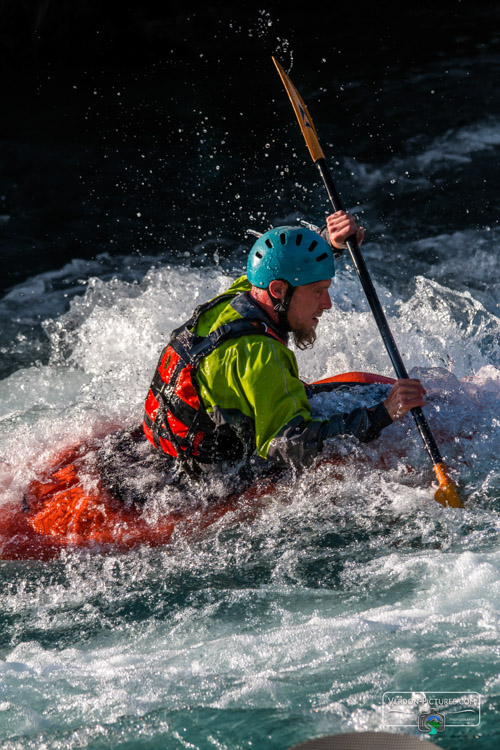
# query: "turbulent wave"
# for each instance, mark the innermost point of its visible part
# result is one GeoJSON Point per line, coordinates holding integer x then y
{"type": "Point", "coordinates": [341, 585]}
{"type": "Point", "coordinates": [290, 617]}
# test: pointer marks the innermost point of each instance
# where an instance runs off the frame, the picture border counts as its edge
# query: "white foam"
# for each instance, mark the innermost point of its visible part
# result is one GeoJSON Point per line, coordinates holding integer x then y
{"type": "Point", "coordinates": [359, 576]}
{"type": "Point", "coordinates": [412, 170]}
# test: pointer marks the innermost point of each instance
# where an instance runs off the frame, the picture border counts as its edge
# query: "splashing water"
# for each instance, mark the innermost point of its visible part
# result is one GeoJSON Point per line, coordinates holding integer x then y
{"type": "Point", "coordinates": [351, 582]}
{"type": "Point", "coordinates": [292, 618]}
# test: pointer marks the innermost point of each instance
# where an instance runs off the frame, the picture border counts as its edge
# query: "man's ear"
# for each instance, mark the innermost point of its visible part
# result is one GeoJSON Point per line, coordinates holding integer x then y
{"type": "Point", "coordinates": [278, 288]}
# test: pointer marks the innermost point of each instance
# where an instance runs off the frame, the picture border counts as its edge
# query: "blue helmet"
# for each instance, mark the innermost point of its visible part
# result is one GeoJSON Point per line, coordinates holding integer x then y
{"type": "Point", "coordinates": [295, 254]}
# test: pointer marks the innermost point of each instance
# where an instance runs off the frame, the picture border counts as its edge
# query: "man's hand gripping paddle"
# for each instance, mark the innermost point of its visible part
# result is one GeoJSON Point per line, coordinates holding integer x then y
{"type": "Point", "coordinates": [447, 493]}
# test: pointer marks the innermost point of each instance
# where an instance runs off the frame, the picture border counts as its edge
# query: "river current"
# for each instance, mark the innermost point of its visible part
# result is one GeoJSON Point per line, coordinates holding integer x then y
{"type": "Point", "coordinates": [349, 584]}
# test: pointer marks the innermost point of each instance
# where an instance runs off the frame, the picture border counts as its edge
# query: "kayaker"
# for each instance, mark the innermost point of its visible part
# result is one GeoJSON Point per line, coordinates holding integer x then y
{"type": "Point", "coordinates": [227, 385]}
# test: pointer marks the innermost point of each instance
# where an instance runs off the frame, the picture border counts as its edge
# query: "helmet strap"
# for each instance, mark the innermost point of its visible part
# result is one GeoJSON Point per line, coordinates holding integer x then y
{"type": "Point", "coordinates": [281, 306]}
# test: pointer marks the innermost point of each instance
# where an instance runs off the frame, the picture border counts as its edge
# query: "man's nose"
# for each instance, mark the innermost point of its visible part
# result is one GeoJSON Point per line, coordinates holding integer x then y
{"type": "Point", "coordinates": [326, 302]}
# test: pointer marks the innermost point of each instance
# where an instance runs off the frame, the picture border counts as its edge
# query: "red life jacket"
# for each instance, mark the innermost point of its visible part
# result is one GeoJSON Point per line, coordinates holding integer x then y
{"type": "Point", "coordinates": [175, 420]}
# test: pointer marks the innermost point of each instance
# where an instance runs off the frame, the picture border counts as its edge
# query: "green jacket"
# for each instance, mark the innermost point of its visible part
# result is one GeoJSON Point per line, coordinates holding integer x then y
{"type": "Point", "coordinates": [252, 385]}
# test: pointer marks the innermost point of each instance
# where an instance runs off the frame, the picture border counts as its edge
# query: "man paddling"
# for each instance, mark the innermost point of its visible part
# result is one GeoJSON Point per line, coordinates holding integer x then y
{"type": "Point", "coordinates": [227, 385]}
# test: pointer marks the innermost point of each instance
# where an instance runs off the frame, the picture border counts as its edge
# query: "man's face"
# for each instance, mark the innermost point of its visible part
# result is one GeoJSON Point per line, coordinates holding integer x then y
{"type": "Point", "coordinates": [307, 305]}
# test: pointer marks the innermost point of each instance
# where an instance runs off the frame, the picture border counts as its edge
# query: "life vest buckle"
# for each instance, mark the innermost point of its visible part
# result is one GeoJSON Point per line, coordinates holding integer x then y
{"type": "Point", "coordinates": [222, 332]}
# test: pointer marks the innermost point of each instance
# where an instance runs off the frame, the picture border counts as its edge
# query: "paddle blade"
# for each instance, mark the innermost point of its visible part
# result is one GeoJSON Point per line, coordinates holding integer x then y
{"type": "Point", "coordinates": [447, 493]}
{"type": "Point", "coordinates": [303, 116]}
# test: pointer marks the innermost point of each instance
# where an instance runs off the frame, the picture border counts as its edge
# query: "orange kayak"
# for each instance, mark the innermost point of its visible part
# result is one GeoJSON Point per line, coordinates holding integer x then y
{"type": "Point", "coordinates": [71, 505]}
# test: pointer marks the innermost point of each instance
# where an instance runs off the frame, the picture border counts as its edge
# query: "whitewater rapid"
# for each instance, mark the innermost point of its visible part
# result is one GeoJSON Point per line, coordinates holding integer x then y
{"type": "Point", "coordinates": [350, 583]}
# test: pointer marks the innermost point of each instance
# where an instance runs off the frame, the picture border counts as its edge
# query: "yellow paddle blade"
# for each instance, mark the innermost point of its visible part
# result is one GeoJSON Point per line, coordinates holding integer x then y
{"type": "Point", "coordinates": [303, 116]}
{"type": "Point", "coordinates": [447, 493]}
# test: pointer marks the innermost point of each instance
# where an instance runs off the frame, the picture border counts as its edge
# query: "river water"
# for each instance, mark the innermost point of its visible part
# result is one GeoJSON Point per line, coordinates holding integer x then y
{"type": "Point", "coordinates": [126, 196]}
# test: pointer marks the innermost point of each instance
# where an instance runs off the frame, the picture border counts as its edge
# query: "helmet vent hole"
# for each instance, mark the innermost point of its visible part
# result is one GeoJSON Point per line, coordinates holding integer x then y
{"type": "Point", "coordinates": [259, 255]}
{"type": "Point", "coordinates": [269, 243]}
{"type": "Point", "coordinates": [312, 246]}
{"type": "Point", "coordinates": [299, 239]}
{"type": "Point", "coordinates": [321, 257]}
{"type": "Point", "coordinates": [283, 238]}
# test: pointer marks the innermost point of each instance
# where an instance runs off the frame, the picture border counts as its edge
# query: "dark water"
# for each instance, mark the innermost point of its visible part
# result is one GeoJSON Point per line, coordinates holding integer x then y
{"type": "Point", "coordinates": [136, 150]}
{"type": "Point", "coordinates": [180, 117]}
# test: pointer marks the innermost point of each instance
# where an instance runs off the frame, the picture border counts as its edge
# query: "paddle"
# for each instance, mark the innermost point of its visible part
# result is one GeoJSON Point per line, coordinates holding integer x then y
{"type": "Point", "coordinates": [446, 493]}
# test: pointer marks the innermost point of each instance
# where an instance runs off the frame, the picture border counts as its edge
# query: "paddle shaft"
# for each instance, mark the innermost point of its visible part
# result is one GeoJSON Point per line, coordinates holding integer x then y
{"type": "Point", "coordinates": [378, 313]}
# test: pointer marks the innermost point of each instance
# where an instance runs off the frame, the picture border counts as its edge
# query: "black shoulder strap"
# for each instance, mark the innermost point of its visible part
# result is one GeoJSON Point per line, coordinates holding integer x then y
{"type": "Point", "coordinates": [193, 348]}
{"type": "Point", "coordinates": [193, 320]}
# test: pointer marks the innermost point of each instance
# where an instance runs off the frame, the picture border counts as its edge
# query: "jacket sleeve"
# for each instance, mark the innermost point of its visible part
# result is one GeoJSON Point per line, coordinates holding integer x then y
{"type": "Point", "coordinates": [257, 378]}
{"type": "Point", "coordinates": [285, 431]}
{"type": "Point", "coordinates": [299, 441]}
